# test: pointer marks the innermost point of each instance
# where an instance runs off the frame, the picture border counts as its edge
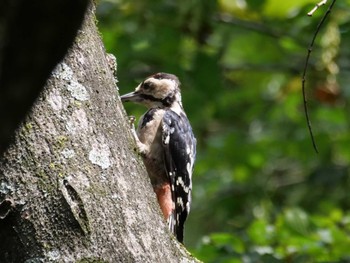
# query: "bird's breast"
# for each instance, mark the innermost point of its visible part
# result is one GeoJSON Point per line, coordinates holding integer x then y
{"type": "Point", "coordinates": [150, 133]}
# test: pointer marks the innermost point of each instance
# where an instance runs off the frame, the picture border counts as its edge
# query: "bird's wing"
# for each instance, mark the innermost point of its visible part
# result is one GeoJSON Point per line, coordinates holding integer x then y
{"type": "Point", "coordinates": [180, 150]}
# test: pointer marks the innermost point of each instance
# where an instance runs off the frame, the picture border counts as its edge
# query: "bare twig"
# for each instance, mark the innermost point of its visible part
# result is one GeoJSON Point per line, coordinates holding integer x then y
{"type": "Point", "coordinates": [255, 26]}
{"type": "Point", "coordinates": [323, 2]}
{"type": "Point", "coordinates": [307, 63]}
{"type": "Point", "coordinates": [260, 28]}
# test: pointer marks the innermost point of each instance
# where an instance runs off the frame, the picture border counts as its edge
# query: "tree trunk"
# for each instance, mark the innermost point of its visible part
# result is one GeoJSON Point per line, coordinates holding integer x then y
{"type": "Point", "coordinates": [34, 37]}
{"type": "Point", "coordinates": [72, 188]}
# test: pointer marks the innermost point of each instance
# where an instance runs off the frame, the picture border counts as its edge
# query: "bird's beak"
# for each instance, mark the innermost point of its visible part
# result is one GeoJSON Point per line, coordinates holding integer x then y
{"type": "Point", "coordinates": [132, 96]}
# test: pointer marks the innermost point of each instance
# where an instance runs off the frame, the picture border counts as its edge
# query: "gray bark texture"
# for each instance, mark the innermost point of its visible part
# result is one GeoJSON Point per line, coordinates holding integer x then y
{"type": "Point", "coordinates": [72, 188]}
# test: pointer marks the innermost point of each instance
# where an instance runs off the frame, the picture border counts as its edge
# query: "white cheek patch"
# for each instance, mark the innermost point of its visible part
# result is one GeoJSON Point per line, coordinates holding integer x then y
{"type": "Point", "coordinates": [163, 87]}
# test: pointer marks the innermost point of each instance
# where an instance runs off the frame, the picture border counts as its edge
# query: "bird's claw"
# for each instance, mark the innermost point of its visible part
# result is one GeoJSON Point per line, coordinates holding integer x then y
{"type": "Point", "coordinates": [132, 122]}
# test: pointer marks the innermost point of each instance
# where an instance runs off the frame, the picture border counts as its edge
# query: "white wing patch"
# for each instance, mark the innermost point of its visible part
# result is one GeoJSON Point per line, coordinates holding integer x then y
{"type": "Point", "coordinates": [180, 182]}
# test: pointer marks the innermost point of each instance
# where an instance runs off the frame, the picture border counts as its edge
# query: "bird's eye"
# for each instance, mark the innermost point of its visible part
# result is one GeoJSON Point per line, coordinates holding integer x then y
{"type": "Point", "coordinates": [146, 85]}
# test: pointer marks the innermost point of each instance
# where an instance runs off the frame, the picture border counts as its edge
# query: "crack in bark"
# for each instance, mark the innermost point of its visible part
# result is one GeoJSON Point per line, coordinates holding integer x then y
{"type": "Point", "coordinates": [76, 205]}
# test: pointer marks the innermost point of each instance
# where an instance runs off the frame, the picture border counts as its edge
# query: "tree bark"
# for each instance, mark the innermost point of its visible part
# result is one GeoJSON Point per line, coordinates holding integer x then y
{"type": "Point", "coordinates": [72, 189]}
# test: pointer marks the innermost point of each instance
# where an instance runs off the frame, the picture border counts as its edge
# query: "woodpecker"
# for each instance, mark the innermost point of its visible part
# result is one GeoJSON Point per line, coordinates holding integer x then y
{"type": "Point", "coordinates": [165, 140]}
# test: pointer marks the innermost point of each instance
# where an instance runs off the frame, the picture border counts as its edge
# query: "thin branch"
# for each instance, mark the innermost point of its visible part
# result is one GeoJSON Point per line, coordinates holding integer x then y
{"type": "Point", "coordinates": [306, 67]}
{"type": "Point", "coordinates": [261, 28]}
{"type": "Point", "coordinates": [258, 27]}
{"type": "Point", "coordinates": [323, 2]}
{"type": "Point", "coordinates": [262, 67]}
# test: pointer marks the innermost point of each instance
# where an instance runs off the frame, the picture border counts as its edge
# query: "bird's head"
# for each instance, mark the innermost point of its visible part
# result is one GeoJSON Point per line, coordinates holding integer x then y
{"type": "Point", "coordinates": [161, 90]}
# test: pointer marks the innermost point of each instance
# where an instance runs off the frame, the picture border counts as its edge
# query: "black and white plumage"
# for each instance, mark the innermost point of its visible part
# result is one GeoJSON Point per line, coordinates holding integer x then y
{"type": "Point", "coordinates": [167, 145]}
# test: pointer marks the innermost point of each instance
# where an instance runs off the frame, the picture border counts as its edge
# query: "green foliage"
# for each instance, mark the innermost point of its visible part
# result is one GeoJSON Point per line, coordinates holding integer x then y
{"type": "Point", "coordinates": [293, 235]}
{"type": "Point", "coordinates": [260, 194]}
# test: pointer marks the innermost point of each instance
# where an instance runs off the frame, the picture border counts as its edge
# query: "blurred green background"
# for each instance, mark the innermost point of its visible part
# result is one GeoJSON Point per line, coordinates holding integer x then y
{"type": "Point", "coordinates": [260, 192]}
